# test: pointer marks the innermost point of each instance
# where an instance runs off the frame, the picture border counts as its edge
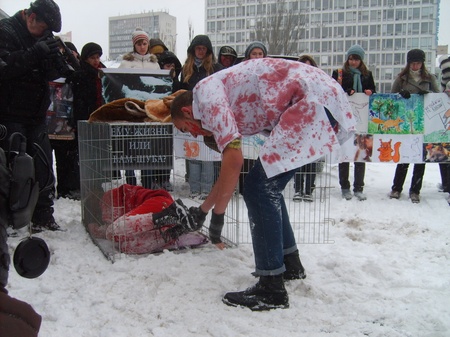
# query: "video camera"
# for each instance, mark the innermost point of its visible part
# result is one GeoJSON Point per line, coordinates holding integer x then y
{"type": "Point", "coordinates": [64, 63]}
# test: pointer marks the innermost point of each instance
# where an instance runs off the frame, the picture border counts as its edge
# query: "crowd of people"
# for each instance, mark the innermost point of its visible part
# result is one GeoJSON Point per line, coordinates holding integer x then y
{"type": "Point", "coordinates": [31, 57]}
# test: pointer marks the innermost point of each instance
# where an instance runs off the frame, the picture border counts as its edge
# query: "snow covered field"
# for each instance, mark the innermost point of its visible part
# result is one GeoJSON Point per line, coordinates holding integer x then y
{"type": "Point", "coordinates": [386, 274]}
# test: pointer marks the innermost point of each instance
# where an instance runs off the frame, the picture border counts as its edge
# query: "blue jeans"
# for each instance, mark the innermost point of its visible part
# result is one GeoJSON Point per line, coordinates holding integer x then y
{"type": "Point", "coordinates": [201, 176]}
{"type": "Point", "coordinates": [271, 230]}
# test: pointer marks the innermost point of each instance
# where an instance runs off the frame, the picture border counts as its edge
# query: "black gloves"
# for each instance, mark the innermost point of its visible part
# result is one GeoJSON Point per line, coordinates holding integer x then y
{"type": "Point", "coordinates": [198, 215]}
{"type": "Point", "coordinates": [45, 48]}
{"type": "Point", "coordinates": [215, 227]}
{"type": "Point", "coordinates": [405, 93]}
{"type": "Point", "coordinates": [174, 221]}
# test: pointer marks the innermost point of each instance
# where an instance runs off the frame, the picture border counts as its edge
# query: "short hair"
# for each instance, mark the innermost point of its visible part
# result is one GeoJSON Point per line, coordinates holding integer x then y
{"type": "Point", "coordinates": [180, 101]}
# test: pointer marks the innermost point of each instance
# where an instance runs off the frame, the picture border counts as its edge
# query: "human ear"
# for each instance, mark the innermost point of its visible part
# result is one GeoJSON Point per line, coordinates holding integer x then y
{"type": "Point", "coordinates": [187, 112]}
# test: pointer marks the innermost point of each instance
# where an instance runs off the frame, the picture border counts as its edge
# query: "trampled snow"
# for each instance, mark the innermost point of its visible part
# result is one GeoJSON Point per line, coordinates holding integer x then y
{"type": "Point", "coordinates": [386, 274]}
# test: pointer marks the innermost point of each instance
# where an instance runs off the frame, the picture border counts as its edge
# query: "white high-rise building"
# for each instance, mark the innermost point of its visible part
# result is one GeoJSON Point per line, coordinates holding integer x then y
{"type": "Point", "coordinates": [159, 25]}
{"type": "Point", "coordinates": [325, 29]}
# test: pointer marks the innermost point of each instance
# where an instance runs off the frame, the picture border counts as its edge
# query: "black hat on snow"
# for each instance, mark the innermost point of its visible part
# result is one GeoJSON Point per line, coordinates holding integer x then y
{"type": "Point", "coordinates": [48, 11]}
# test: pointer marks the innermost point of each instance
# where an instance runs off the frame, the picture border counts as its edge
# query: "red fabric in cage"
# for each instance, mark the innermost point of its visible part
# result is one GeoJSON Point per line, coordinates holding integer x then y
{"type": "Point", "coordinates": [126, 198]}
{"type": "Point", "coordinates": [128, 212]}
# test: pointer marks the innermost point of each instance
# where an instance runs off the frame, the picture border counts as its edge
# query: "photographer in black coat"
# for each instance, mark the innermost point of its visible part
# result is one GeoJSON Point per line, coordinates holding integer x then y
{"type": "Point", "coordinates": [17, 318]}
{"type": "Point", "coordinates": [32, 58]}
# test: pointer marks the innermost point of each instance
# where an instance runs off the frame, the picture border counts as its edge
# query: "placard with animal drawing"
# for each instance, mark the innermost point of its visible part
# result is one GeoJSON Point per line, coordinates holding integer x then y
{"type": "Point", "coordinates": [393, 114]}
{"type": "Point", "coordinates": [437, 118]}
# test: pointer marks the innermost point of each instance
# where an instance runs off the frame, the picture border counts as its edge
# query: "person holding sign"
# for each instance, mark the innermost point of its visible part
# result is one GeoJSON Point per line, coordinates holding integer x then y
{"type": "Point", "coordinates": [413, 79]}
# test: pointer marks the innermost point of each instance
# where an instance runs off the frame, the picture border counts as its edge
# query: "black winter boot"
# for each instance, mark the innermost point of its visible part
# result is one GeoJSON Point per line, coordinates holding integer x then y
{"type": "Point", "coordinates": [268, 293]}
{"type": "Point", "coordinates": [294, 268]}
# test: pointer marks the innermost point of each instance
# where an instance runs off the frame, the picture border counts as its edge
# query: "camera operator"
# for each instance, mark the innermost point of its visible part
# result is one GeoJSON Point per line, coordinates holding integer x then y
{"type": "Point", "coordinates": [31, 57]}
{"type": "Point", "coordinates": [17, 318]}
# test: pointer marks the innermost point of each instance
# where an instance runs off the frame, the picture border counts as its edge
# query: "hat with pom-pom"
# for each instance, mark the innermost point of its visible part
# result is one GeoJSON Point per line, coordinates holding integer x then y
{"type": "Point", "coordinates": [139, 34]}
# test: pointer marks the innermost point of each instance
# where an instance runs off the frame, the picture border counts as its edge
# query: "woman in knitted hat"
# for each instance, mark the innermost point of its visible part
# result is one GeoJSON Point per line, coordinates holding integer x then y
{"type": "Point", "coordinates": [87, 96]}
{"type": "Point", "coordinates": [140, 57]}
{"type": "Point", "coordinates": [354, 77]}
{"type": "Point", "coordinates": [255, 50]}
{"type": "Point", "coordinates": [199, 64]}
{"type": "Point", "coordinates": [413, 79]}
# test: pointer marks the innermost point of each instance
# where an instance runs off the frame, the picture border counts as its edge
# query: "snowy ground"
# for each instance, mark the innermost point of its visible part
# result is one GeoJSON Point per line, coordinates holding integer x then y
{"type": "Point", "coordinates": [386, 274]}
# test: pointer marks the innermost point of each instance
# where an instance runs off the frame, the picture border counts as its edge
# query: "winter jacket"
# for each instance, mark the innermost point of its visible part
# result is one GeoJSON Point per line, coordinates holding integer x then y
{"type": "Point", "coordinates": [137, 61]}
{"type": "Point", "coordinates": [424, 86]}
{"type": "Point", "coordinates": [199, 74]}
{"type": "Point", "coordinates": [24, 89]}
{"type": "Point", "coordinates": [86, 88]}
{"type": "Point", "coordinates": [169, 57]}
{"type": "Point", "coordinates": [347, 81]}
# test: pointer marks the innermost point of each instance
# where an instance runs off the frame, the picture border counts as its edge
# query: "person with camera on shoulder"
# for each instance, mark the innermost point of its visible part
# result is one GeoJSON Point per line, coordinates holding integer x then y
{"type": "Point", "coordinates": [32, 58]}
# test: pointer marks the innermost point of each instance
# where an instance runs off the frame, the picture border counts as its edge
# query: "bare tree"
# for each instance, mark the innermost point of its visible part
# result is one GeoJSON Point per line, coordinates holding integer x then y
{"type": "Point", "coordinates": [278, 27]}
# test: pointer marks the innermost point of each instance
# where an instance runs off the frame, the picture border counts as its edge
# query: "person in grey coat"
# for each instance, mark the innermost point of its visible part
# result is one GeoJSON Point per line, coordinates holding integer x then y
{"type": "Point", "coordinates": [413, 79]}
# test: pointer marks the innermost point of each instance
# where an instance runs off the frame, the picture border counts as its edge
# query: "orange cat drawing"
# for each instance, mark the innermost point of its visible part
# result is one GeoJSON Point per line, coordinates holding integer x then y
{"type": "Point", "coordinates": [191, 149]}
{"type": "Point", "coordinates": [386, 150]}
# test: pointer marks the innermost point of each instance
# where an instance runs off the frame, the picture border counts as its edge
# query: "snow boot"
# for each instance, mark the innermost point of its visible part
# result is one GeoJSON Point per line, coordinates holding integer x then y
{"type": "Point", "coordinates": [294, 267]}
{"type": "Point", "coordinates": [346, 194]}
{"type": "Point", "coordinates": [268, 293]}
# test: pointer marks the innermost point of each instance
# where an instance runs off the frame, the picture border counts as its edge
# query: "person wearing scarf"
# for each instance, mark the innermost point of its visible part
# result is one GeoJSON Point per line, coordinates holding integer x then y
{"type": "Point", "coordinates": [354, 77]}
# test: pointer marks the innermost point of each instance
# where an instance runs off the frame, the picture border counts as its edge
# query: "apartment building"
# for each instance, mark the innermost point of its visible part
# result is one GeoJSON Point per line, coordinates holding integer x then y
{"type": "Point", "coordinates": [157, 24]}
{"type": "Point", "coordinates": [325, 29]}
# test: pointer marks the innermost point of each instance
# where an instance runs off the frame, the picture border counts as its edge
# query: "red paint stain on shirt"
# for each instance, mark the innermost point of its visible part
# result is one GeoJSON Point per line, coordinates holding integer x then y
{"type": "Point", "coordinates": [271, 158]}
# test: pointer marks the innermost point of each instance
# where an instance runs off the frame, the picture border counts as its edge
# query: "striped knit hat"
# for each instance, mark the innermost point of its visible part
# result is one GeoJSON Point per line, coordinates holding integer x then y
{"type": "Point", "coordinates": [139, 34]}
{"type": "Point", "coordinates": [444, 61]}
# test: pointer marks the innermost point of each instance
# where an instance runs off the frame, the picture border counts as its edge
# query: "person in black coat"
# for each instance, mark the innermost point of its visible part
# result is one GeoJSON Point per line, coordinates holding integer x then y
{"type": "Point", "coordinates": [200, 63]}
{"type": "Point", "coordinates": [354, 77]}
{"type": "Point", "coordinates": [169, 61]}
{"type": "Point", "coordinates": [32, 59]}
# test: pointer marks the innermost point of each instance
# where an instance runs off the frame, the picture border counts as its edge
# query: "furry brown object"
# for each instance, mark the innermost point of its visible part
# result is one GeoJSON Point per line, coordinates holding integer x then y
{"type": "Point", "coordinates": [116, 111]}
{"type": "Point", "coordinates": [134, 110]}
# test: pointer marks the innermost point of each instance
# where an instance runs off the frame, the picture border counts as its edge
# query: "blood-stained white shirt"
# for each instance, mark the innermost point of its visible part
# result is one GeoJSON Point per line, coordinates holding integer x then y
{"type": "Point", "coordinates": [282, 98]}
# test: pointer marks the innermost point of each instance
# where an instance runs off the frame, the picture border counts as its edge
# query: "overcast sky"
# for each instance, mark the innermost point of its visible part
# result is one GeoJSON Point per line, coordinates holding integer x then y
{"type": "Point", "coordinates": [88, 19]}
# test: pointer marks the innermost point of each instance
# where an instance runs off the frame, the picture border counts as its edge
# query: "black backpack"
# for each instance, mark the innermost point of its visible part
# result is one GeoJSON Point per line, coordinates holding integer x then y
{"type": "Point", "coordinates": [18, 184]}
